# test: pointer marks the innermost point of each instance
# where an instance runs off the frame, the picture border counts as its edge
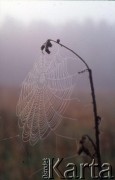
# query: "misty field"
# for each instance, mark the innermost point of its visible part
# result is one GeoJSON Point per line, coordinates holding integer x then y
{"type": "Point", "coordinates": [19, 160]}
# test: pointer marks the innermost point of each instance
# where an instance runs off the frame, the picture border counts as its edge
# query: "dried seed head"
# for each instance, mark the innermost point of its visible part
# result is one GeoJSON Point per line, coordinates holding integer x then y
{"type": "Point", "coordinates": [42, 47]}
{"type": "Point", "coordinates": [58, 40]}
{"type": "Point", "coordinates": [47, 50]}
{"type": "Point", "coordinates": [49, 44]}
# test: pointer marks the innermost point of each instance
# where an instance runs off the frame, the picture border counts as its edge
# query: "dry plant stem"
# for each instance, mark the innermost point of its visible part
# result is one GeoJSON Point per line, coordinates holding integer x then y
{"type": "Point", "coordinates": [96, 119]}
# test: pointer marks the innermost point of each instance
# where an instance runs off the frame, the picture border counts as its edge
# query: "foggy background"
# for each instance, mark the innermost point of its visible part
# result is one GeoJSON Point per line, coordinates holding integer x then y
{"type": "Point", "coordinates": [86, 27]}
{"type": "Point", "coordinates": [20, 48]}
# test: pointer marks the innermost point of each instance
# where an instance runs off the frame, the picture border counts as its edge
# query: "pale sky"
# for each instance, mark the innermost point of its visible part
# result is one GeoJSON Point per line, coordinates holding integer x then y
{"type": "Point", "coordinates": [57, 11]}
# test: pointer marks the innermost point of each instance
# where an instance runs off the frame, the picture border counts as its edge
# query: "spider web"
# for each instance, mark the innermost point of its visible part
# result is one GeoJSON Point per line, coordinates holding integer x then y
{"type": "Point", "coordinates": [44, 97]}
{"type": "Point", "coordinates": [43, 115]}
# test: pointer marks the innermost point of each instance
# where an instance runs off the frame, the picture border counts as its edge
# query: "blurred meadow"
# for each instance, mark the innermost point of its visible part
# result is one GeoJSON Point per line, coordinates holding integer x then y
{"type": "Point", "coordinates": [19, 48]}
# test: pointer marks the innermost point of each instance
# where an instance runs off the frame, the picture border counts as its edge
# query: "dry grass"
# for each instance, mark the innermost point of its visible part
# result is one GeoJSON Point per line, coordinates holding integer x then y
{"type": "Point", "coordinates": [20, 161]}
